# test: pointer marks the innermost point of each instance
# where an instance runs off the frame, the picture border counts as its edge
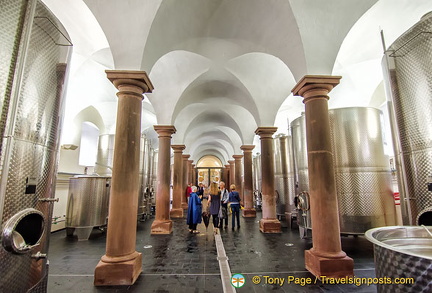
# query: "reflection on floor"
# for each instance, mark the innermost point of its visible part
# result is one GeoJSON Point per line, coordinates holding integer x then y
{"type": "Point", "coordinates": [184, 262]}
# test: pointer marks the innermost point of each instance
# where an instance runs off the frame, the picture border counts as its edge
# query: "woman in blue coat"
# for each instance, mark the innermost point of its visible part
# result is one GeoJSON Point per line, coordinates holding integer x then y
{"type": "Point", "coordinates": [194, 211]}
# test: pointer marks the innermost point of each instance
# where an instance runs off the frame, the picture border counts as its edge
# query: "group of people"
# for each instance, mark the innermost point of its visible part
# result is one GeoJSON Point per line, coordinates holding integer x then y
{"type": "Point", "coordinates": [216, 206]}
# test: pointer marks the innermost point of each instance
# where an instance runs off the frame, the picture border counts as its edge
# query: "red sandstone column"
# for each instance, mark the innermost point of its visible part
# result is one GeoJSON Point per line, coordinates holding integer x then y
{"type": "Point", "coordinates": [162, 223]}
{"type": "Point", "coordinates": [238, 175]}
{"type": "Point", "coordinates": [227, 176]}
{"type": "Point", "coordinates": [326, 257]}
{"type": "Point", "coordinates": [185, 180]}
{"type": "Point", "coordinates": [249, 211]}
{"type": "Point", "coordinates": [223, 175]}
{"type": "Point", "coordinates": [121, 264]}
{"type": "Point", "coordinates": [190, 169]}
{"type": "Point", "coordinates": [178, 192]}
{"type": "Point", "coordinates": [231, 172]}
{"type": "Point", "coordinates": [269, 223]}
{"type": "Point", "coordinates": [194, 176]}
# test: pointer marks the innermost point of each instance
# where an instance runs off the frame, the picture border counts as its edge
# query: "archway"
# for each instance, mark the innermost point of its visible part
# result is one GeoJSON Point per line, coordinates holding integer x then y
{"type": "Point", "coordinates": [209, 169]}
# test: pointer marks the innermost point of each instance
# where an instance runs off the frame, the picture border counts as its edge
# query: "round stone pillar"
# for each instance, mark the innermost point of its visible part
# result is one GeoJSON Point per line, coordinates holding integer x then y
{"type": "Point", "coordinates": [190, 175]}
{"type": "Point", "coordinates": [227, 176]}
{"type": "Point", "coordinates": [121, 264]}
{"type": "Point", "coordinates": [326, 257]}
{"type": "Point", "coordinates": [248, 211]}
{"type": "Point", "coordinates": [194, 175]}
{"type": "Point", "coordinates": [185, 165]}
{"type": "Point", "coordinates": [238, 175]}
{"type": "Point", "coordinates": [231, 173]}
{"type": "Point", "coordinates": [178, 192]}
{"type": "Point", "coordinates": [162, 223]}
{"type": "Point", "coordinates": [269, 222]}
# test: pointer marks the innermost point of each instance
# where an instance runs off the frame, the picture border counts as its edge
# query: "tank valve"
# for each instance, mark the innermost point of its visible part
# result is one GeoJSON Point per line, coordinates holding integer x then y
{"type": "Point", "coordinates": [39, 255]}
{"type": "Point", "coordinates": [48, 199]}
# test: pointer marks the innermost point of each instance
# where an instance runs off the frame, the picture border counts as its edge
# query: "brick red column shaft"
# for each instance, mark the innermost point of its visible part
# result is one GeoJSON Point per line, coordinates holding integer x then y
{"type": "Point", "coordinates": [269, 223]}
{"type": "Point", "coordinates": [326, 257]}
{"type": "Point", "coordinates": [238, 174]}
{"type": "Point", "coordinates": [185, 165]}
{"type": "Point", "coordinates": [231, 172]}
{"type": "Point", "coordinates": [194, 175]}
{"type": "Point", "coordinates": [190, 169]}
{"type": "Point", "coordinates": [121, 264]}
{"type": "Point", "coordinates": [249, 211]}
{"type": "Point", "coordinates": [177, 210]}
{"type": "Point", "coordinates": [227, 176]}
{"type": "Point", "coordinates": [162, 223]}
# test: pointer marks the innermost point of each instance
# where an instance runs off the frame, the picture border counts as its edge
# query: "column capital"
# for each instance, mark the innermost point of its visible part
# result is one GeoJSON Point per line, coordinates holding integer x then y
{"type": "Point", "coordinates": [178, 148]}
{"type": "Point", "coordinates": [227, 166]}
{"type": "Point", "coordinates": [266, 132]}
{"type": "Point", "coordinates": [247, 148]}
{"type": "Point", "coordinates": [193, 165]}
{"type": "Point", "coordinates": [315, 86]}
{"type": "Point", "coordinates": [129, 82]}
{"type": "Point", "coordinates": [185, 157]}
{"type": "Point", "coordinates": [237, 157]}
{"type": "Point", "coordinates": [190, 161]}
{"type": "Point", "coordinates": [165, 130]}
{"type": "Point", "coordinates": [231, 162]}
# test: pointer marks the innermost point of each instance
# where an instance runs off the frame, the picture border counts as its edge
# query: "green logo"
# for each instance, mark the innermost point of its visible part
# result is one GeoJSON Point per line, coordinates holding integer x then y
{"type": "Point", "coordinates": [238, 280]}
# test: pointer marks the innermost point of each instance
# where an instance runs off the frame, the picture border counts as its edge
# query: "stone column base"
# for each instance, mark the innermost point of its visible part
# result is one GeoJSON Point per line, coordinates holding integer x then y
{"type": "Point", "coordinates": [176, 213]}
{"type": "Point", "coordinates": [185, 206]}
{"type": "Point", "coordinates": [329, 267]}
{"type": "Point", "coordinates": [161, 227]}
{"type": "Point", "coordinates": [270, 226]}
{"type": "Point", "coordinates": [118, 273]}
{"type": "Point", "coordinates": [249, 213]}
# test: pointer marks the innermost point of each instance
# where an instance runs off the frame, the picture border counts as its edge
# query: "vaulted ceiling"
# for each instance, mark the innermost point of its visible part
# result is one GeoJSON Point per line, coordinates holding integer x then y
{"type": "Point", "coordinates": [222, 68]}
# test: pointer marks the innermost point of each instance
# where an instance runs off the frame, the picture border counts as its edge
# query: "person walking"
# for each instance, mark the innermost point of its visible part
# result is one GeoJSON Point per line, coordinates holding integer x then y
{"type": "Point", "coordinates": [194, 211]}
{"type": "Point", "coordinates": [224, 194]}
{"type": "Point", "coordinates": [215, 205]}
{"type": "Point", "coordinates": [234, 199]}
{"type": "Point", "coordinates": [188, 191]}
{"type": "Point", "coordinates": [200, 190]}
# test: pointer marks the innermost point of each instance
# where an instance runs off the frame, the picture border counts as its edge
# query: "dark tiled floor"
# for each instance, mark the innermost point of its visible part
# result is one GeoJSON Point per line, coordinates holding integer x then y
{"type": "Point", "coordinates": [183, 262]}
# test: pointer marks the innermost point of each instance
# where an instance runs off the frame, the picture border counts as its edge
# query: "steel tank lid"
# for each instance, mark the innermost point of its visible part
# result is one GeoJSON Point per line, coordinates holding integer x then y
{"type": "Point", "coordinates": [410, 240]}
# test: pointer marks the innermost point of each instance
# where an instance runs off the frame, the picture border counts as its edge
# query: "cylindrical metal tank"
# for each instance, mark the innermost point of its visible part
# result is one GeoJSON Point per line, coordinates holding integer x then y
{"type": "Point", "coordinates": [362, 171]}
{"type": "Point", "coordinates": [141, 190]}
{"type": "Point", "coordinates": [284, 175]}
{"type": "Point", "coordinates": [299, 145]}
{"type": "Point", "coordinates": [280, 173]}
{"type": "Point", "coordinates": [301, 176]}
{"type": "Point", "coordinates": [105, 155]}
{"type": "Point", "coordinates": [257, 181]}
{"type": "Point", "coordinates": [408, 73]}
{"type": "Point", "coordinates": [87, 206]}
{"type": "Point", "coordinates": [402, 251]}
{"type": "Point", "coordinates": [146, 163]}
{"type": "Point", "coordinates": [33, 67]}
{"type": "Point", "coordinates": [153, 175]}
{"type": "Point", "coordinates": [291, 184]}
{"type": "Point", "coordinates": [104, 162]}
